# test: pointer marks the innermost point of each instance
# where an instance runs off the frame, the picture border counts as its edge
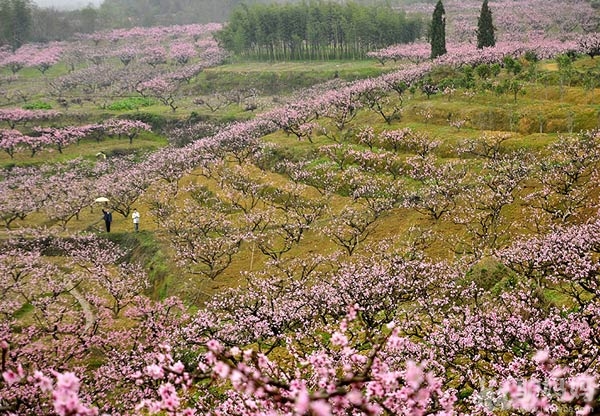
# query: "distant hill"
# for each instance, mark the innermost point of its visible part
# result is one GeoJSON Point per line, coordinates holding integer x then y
{"type": "Point", "coordinates": [167, 12]}
{"type": "Point", "coordinates": [67, 4]}
{"type": "Point", "coordinates": [531, 16]}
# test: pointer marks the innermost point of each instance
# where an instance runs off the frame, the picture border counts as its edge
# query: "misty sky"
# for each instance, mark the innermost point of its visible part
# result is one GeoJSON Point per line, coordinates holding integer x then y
{"type": "Point", "coordinates": [67, 4]}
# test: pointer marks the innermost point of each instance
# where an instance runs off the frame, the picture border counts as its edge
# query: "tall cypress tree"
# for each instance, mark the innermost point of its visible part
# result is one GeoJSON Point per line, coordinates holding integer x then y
{"type": "Point", "coordinates": [485, 27]}
{"type": "Point", "coordinates": [438, 31]}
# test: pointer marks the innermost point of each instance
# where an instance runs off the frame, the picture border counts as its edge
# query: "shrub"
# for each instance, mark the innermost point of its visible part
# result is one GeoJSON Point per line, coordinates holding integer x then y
{"type": "Point", "coordinates": [487, 274]}
{"type": "Point", "coordinates": [131, 103]}
{"type": "Point", "coordinates": [157, 121]}
{"type": "Point", "coordinates": [37, 105]}
{"type": "Point", "coordinates": [119, 152]}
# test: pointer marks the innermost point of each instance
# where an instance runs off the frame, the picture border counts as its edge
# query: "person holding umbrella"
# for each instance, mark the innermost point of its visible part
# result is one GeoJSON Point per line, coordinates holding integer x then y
{"type": "Point", "coordinates": [107, 215]}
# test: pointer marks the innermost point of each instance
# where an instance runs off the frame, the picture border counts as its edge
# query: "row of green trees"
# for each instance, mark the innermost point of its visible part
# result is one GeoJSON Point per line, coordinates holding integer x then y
{"type": "Point", "coordinates": [125, 13]}
{"type": "Point", "coordinates": [315, 30]}
{"type": "Point", "coordinates": [15, 22]}
{"type": "Point", "coordinates": [21, 22]}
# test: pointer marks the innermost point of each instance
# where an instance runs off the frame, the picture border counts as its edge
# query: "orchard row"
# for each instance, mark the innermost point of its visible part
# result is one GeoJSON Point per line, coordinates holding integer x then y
{"type": "Point", "coordinates": [40, 138]}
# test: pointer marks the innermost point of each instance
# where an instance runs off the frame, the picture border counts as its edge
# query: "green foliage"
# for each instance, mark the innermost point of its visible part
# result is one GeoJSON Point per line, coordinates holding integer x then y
{"type": "Point", "coordinates": [50, 24]}
{"type": "Point", "coordinates": [487, 274]}
{"type": "Point", "coordinates": [15, 22]}
{"type": "Point", "coordinates": [37, 105]}
{"type": "Point", "coordinates": [483, 71]}
{"type": "Point", "coordinates": [496, 68]}
{"type": "Point", "coordinates": [438, 31]}
{"type": "Point", "coordinates": [512, 65]}
{"type": "Point", "coordinates": [131, 103]}
{"type": "Point", "coordinates": [485, 27]}
{"type": "Point", "coordinates": [157, 121]}
{"type": "Point", "coordinates": [531, 56]}
{"type": "Point", "coordinates": [464, 79]}
{"type": "Point", "coordinates": [120, 152]}
{"type": "Point", "coordinates": [24, 310]}
{"type": "Point", "coordinates": [315, 31]}
{"type": "Point", "coordinates": [565, 62]}
{"type": "Point", "coordinates": [143, 248]}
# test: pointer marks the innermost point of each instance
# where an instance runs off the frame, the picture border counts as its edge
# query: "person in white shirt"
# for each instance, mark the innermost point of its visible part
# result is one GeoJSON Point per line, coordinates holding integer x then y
{"type": "Point", "coordinates": [136, 219]}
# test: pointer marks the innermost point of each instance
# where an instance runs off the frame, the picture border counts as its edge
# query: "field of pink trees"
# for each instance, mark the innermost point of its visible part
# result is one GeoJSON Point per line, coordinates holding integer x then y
{"type": "Point", "coordinates": [397, 258]}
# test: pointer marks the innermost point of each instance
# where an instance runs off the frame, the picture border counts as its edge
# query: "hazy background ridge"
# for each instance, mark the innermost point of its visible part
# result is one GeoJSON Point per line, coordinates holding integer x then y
{"type": "Point", "coordinates": [67, 4]}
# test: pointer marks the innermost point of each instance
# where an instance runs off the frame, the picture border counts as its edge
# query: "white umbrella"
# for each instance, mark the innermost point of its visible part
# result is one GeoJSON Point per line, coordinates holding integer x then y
{"type": "Point", "coordinates": [101, 199]}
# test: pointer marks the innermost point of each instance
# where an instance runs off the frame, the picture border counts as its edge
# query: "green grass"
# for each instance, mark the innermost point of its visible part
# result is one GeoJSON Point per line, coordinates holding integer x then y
{"type": "Point", "coordinates": [38, 105]}
{"type": "Point", "coordinates": [285, 77]}
{"type": "Point", "coordinates": [130, 103]}
{"type": "Point", "coordinates": [86, 149]}
{"type": "Point", "coordinates": [145, 249]}
{"type": "Point", "coordinates": [318, 67]}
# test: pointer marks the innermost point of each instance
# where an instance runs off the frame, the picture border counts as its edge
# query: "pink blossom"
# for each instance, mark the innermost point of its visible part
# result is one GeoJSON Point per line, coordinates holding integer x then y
{"type": "Point", "coordinates": [155, 371]}
{"type": "Point", "coordinates": [320, 408]}
{"type": "Point", "coordinates": [177, 367]}
{"type": "Point", "coordinates": [11, 377]}
{"type": "Point", "coordinates": [339, 339]}
{"type": "Point", "coordinates": [221, 369]}
{"type": "Point", "coordinates": [541, 356]}
{"type": "Point", "coordinates": [302, 402]}
{"type": "Point", "coordinates": [42, 381]}
{"type": "Point", "coordinates": [214, 346]}
{"type": "Point", "coordinates": [584, 385]}
{"type": "Point", "coordinates": [414, 375]}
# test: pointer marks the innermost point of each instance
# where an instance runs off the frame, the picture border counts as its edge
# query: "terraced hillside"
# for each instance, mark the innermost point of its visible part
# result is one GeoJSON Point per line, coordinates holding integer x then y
{"type": "Point", "coordinates": [333, 238]}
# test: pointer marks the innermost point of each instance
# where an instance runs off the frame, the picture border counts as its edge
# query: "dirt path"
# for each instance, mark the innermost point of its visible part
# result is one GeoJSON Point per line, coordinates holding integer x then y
{"type": "Point", "coordinates": [90, 317]}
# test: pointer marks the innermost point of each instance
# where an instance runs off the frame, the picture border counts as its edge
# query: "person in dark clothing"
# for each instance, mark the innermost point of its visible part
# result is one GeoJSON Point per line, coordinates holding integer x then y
{"type": "Point", "coordinates": [107, 219]}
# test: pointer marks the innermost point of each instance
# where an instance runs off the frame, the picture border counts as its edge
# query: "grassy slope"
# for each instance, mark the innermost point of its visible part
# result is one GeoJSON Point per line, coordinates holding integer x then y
{"type": "Point", "coordinates": [574, 109]}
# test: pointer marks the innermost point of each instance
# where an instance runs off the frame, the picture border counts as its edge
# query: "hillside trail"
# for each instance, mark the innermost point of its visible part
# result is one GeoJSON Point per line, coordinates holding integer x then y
{"type": "Point", "coordinates": [90, 317]}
